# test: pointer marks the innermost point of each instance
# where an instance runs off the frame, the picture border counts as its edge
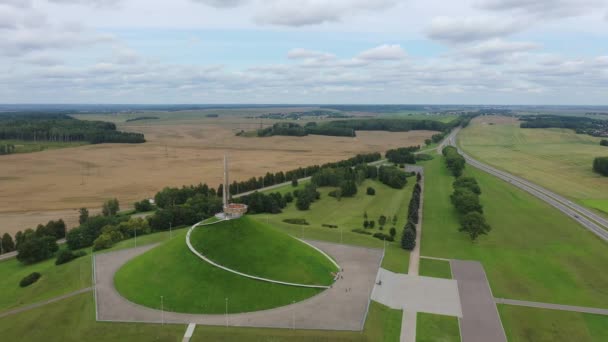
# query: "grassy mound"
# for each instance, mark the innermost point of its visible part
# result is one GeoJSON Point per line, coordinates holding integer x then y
{"type": "Point", "coordinates": [191, 285]}
{"type": "Point", "coordinates": [254, 248]}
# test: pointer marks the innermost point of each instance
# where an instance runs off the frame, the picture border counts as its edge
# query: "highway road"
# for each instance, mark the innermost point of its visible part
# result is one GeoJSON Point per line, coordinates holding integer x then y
{"type": "Point", "coordinates": [588, 219]}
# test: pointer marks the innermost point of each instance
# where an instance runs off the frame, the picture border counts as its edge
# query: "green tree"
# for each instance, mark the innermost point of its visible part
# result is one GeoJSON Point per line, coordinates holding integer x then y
{"type": "Point", "coordinates": [35, 249]}
{"type": "Point", "coordinates": [303, 201]}
{"type": "Point", "coordinates": [348, 188]}
{"type": "Point", "coordinates": [427, 142]}
{"type": "Point", "coordinates": [408, 240]}
{"type": "Point", "coordinates": [393, 232]}
{"type": "Point", "coordinates": [371, 191]}
{"type": "Point", "coordinates": [366, 224]}
{"type": "Point", "coordinates": [382, 220]}
{"type": "Point", "coordinates": [474, 224]}
{"type": "Point", "coordinates": [372, 224]}
{"type": "Point", "coordinates": [294, 182]}
{"type": "Point", "coordinates": [394, 220]}
{"type": "Point", "coordinates": [84, 215]}
{"type": "Point", "coordinates": [104, 241]}
{"type": "Point", "coordinates": [7, 243]}
{"type": "Point", "coordinates": [110, 207]}
{"type": "Point", "coordinates": [466, 201]}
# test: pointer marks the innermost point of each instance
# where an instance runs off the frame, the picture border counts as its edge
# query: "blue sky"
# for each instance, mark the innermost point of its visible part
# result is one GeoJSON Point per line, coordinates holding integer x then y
{"type": "Point", "coordinates": [308, 51]}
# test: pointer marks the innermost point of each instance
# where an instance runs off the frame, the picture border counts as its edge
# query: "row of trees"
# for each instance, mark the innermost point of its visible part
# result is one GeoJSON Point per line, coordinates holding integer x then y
{"type": "Point", "coordinates": [7, 149]}
{"type": "Point", "coordinates": [402, 155]}
{"type": "Point", "coordinates": [465, 199]}
{"type": "Point", "coordinates": [454, 161]}
{"type": "Point", "coordinates": [36, 245]}
{"type": "Point", "coordinates": [63, 128]}
{"type": "Point", "coordinates": [600, 165]}
{"type": "Point", "coordinates": [408, 239]}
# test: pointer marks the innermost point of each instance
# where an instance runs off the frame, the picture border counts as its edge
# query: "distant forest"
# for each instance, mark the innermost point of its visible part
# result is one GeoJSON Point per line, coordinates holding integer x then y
{"type": "Point", "coordinates": [582, 125]}
{"type": "Point", "coordinates": [347, 128]}
{"type": "Point", "coordinates": [140, 118]}
{"type": "Point", "coordinates": [62, 128]}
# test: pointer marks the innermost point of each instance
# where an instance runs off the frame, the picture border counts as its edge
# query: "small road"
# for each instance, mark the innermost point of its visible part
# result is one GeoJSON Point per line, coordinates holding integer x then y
{"type": "Point", "coordinates": [480, 321]}
{"type": "Point", "coordinates": [591, 221]}
{"type": "Point", "coordinates": [595, 311]}
{"type": "Point", "coordinates": [49, 301]}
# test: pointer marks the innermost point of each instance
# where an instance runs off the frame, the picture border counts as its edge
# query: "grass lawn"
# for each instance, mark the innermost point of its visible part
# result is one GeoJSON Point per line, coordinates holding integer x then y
{"type": "Point", "coordinates": [539, 325]}
{"type": "Point", "coordinates": [436, 328]}
{"type": "Point", "coordinates": [255, 248]}
{"type": "Point", "coordinates": [534, 252]}
{"type": "Point", "coordinates": [22, 146]}
{"type": "Point", "coordinates": [56, 280]}
{"type": "Point", "coordinates": [383, 324]}
{"type": "Point", "coordinates": [435, 268]}
{"type": "Point", "coordinates": [73, 320]}
{"type": "Point", "coordinates": [347, 214]}
{"type": "Point", "coordinates": [557, 159]}
{"type": "Point", "coordinates": [191, 285]}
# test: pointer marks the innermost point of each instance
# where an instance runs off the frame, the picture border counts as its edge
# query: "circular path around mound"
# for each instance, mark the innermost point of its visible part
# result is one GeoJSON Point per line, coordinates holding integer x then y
{"type": "Point", "coordinates": [342, 307]}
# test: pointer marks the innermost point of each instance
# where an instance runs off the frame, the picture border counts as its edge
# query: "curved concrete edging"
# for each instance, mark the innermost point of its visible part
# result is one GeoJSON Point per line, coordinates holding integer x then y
{"type": "Point", "coordinates": [193, 250]}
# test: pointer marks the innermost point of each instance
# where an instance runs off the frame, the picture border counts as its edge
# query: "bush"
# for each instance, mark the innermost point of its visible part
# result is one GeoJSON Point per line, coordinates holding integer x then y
{"type": "Point", "coordinates": [361, 231]}
{"type": "Point", "coordinates": [35, 249]}
{"type": "Point", "coordinates": [143, 206]}
{"type": "Point", "coordinates": [371, 191]}
{"type": "Point", "coordinates": [382, 236]}
{"type": "Point", "coordinates": [104, 241]}
{"type": "Point", "coordinates": [600, 165]}
{"type": "Point", "coordinates": [67, 255]}
{"type": "Point", "coordinates": [30, 279]}
{"type": "Point", "coordinates": [299, 221]}
{"type": "Point", "coordinates": [423, 157]}
{"type": "Point", "coordinates": [604, 142]}
{"type": "Point", "coordinates": [288, 197]}
{"type": "Point", "coordinates": [329, 225]}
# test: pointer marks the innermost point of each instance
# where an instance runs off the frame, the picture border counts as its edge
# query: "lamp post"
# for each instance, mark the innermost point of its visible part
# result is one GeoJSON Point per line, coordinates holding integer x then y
{"type": "Point", "coordinates": [135, 231]}
{"type": "Point", "coordinates": [226, 315]}
{"type": "Point", "coordinates": [293, 315]}
{"type": "Point", "coordinates": [162, 310]}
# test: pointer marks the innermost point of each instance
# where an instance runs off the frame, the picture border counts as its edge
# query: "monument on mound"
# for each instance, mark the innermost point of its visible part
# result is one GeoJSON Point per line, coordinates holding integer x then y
{"type": "Point", "coordinates": [231, 210]}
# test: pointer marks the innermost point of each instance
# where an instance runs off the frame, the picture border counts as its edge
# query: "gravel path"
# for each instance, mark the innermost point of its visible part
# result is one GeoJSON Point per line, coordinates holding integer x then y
{"type": "Point", "coordinates": [49, 301]}
{"type": "Point", "coordinates": [333, 309]}
{"type": "Point", "coordinates": [596, 311]}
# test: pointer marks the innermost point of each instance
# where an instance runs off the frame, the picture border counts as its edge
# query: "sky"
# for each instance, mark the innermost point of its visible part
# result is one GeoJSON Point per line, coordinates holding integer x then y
{"type": "Point", "coordinates": [304, 51]}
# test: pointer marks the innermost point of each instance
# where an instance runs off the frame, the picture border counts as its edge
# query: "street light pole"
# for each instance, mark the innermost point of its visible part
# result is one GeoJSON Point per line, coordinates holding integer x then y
{"type": "Point", "coordinates": [293, 315]}
{"type": "Point", "coordinates": [135, 230]}
{"type": "Point", "coordinates": [226, 315]}
{"type": "Point", "coordinates": [170, 230]}
{"type": "Point", "coordinates": [162, 310]}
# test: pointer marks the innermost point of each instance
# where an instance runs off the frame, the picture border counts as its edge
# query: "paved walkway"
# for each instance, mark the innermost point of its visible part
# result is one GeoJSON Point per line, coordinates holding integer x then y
{"type": "Point", "coordinates": [583, 309]}
{"type": "Point", "coordinates": [333, 309]}
{"type": "Point", "coordinates": [480, 321]}
{"type": "Point", "coordinates": [49, 301]}
{"type": "Point", "coordinates": [416, 293]}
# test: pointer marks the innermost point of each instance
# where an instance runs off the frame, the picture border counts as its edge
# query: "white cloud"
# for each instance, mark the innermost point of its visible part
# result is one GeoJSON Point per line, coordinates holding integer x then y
{"type": "Point", "coordinates": [497, 50]}
{"type": "Point", "coordinates": [95, 3]}
{"type": "Point", "coordinates": [545, 8]}
{"type": "Point", "coordinates": [383, 52]}
{"type": "Point", "coordinates": [223, 3]}
{"type": "Point", "coordinates": [470, 29]}
{"type": "Point", "coordinates": [300, 53]}
{"type": "Point", "coordinates": [315, 12]}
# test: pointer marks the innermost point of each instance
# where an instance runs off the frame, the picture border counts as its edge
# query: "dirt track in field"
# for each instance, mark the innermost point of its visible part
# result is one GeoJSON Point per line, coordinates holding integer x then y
{"type": "Point", "coordinates": [37, 187]}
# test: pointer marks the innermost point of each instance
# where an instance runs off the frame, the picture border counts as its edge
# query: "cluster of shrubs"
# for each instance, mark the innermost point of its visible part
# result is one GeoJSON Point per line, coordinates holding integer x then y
{"type": "Point", "coordinates": [36, 245]}
{"type": "Point", "coordinates": [30, 279]}
{"type": "Point", "coordinates": [305, 197]}
{"type": "Point", "coordinates": [383, 236]}
{"type": "Point", "coordinates": [67, 255]}
{"type": "Point", "coordinates": [604, 142]}
{"type": "Point", "coordinates": [466, 201]}
{"type": "Point", "coordinates": [392, 177]}
{"type": "Point", "coordinates": [329, 225]}
{"type": "Point", "coordinates": [455, 162]}
{"type": "Point", "coordinates": [423, 157]}
{"type": "Point", "coordinates": [402, 155]}
{"type": "Point", "coordinates": [408, 239]}
{"type": "Point", "coordinates": [371, 191]}
{"type": "Point", "coordinates": [600, 165]}
{"type": "Point", "coordinates": [299, 221]}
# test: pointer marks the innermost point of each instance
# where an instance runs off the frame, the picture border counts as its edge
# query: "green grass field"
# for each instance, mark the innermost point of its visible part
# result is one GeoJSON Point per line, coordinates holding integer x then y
{"type": "Point", "coordinates": [383, 324]}
{"type": "Point", "coordinates": [533, 252]}
{"type": "Point", "coordinates": [347, 214]}
{"type": "Point", "coordinates": [435, 268]}
{"type": "Point", "coordinates": [436, 328]}
{"type": "Point", "coordinates": [539, 325]}
{"type": "Point", "coordinates": [56, 280]}
{"type": "Point", "coordinates": [190, 285]}
{"type": "Point", "coordinates": [73, 320]}
{"type": "Point", "coordinates": [22, 146]}
{"type": "Point", "coordinates": [557, 159]}
{"type": "Point", "coordinates": [257, 249]}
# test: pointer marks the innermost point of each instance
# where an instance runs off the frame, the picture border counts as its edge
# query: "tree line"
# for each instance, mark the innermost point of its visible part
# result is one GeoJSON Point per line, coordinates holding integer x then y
{"type": "Point", "coordinates": [7, 149]}
{"type": "Point", "coordinates": [581, 125]}
{"type": "Point", "coordinates": [454, 161]}
{"type": "Point", "coordinates": [62, 128]}
{"type": "Point", "coordinates": [402, 155]}
{"type": "Point", "coordinates": [408, 238]}
{"type": "Point", "coordinates": [465, 199]}
{"type": "Point", "coordinates": [34, 245]}
{"type": "Point", "coordinates": [600, 165]}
